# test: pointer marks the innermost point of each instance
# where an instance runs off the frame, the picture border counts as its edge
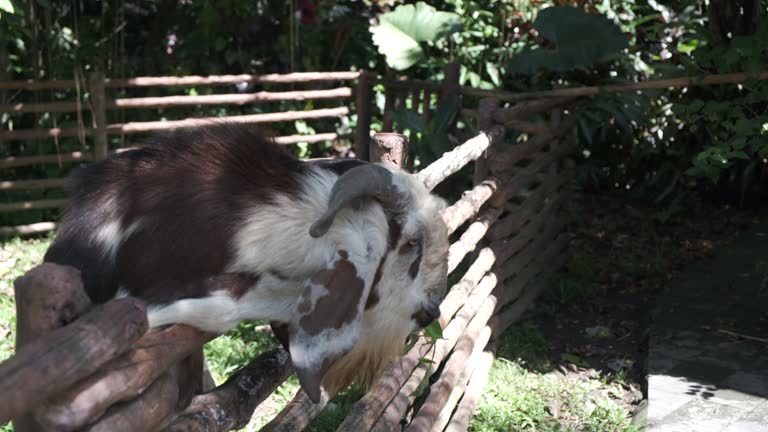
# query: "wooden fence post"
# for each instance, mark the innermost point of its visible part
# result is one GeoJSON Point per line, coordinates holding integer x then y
{"type": "Point", "coordinates": [451, 87]}
{"type": "Point", "coordinates": [363, 108]}
{"type": "Point", "coordinates": [99, 112]}
{"type": "Point", "coordinates": [486, 108]}
{"type": "Point", "coordinates": [391, 148]}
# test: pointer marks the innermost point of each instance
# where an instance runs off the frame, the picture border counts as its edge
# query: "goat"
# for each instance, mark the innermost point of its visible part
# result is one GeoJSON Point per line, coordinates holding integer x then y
{"type": "Point", "coordinates": [217, 225]}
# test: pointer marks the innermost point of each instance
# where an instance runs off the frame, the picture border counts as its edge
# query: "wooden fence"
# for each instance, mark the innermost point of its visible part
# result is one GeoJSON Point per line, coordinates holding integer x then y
{"type": "Point", "coordinates": [79, 366]}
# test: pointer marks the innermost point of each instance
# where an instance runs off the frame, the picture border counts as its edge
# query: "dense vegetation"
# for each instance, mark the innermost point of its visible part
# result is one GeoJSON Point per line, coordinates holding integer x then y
{"type": "Point", "coordinates": [673, 147]}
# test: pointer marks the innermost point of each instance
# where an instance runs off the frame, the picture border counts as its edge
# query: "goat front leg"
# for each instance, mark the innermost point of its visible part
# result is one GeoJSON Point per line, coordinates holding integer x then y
{"type": "Point", "coordinates": [219, 310]}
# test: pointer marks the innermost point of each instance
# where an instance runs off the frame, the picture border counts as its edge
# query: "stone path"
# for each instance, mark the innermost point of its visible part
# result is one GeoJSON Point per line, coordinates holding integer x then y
{"type": "Point", "coordinates": [700, 379]}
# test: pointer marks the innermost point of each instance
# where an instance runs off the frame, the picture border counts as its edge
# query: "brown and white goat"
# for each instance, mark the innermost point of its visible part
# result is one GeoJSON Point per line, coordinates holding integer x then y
{"type": "Point", "coordinates": [219, 225]}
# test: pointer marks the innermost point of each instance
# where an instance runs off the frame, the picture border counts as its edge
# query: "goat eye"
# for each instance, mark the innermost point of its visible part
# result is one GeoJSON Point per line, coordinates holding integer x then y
{"type": "Point", "coordinates": [412, 243]}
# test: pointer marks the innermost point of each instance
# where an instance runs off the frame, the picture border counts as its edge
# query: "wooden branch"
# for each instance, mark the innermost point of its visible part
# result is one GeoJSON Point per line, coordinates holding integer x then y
{"type": "Point", "coordinates": [476, 336]}
{"type": "Point", "coordinates": [466, 407]}
{"type": "Point", "coordinates": [30, 134]}
{"type": "Point", "coordinates": [54, 362]}
{"type": "Point", "coordinates": [147, 412]}
{"type": "Point", "coordinates": [458, 390]}
{"type": "Point", "coordinates": [507, 159]}
{"type": "Point", "coordinates": [41, 107]}
{"type": "Point", "coordinates": [231, 405]}
{"type": "Point", "coordinates": [527, 127]}
{"type": "Point", "coordinates": [524, 110]}
{"type": "Point", "coordinates": [515, 311]}
{"type": "Point", "coordinates": [297, 415]}
{"type": "Point", "coordinates": [296, 77]}
{"type": "Point", "coordinates": [137, 127]}
{"type": "Point", "coordinates": [542, 260]}
{"type": "Point", "coordinates": [507, 247]}
{"type": "Point", "coordinates": [471, 237]}
{"type": "Point", "coordinates": [458, 293]}
{"type": "Point", "coordinates": [315, 138]}
{"type": "Point", "coordinates": [12, 161]}
{"type": "Point", "coordinates": [32, 205]}
{"type": "Point", "coordinates": [21, 230]}
{"type": "Point", "coordinates": [505, 269]}
{"type": "Point", "coordinates": [523, 177]}
{"type": "Point", "coordinates": [121, 379]}
{"type": "Point", "coordinates": [451, 334]}
{"type": "Point", "coordinates": [469, 204]}
{"type": "Point", "coordinates": [728, 78]}
{"type": "Point", "coordinates": [33, 184]}
{"type": "Point", "coordinates": [229, 99]}
{"type": "Point", "coordinates": [546, 192]}
{"type": "Point", "coordinates": [457, 158]}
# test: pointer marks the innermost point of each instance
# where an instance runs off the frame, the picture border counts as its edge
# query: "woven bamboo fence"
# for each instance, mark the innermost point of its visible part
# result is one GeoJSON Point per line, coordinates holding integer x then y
{"type": "Point", "coordinates": [80, 366]}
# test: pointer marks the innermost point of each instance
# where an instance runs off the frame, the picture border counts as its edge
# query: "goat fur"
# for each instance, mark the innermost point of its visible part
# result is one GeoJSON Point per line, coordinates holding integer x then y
{"type": "Point", "coordinates": [211, 227]}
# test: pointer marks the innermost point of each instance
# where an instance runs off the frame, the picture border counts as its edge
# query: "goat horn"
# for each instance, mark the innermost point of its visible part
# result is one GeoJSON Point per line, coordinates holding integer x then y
{"type": "Point", "coordinates": [367, 180]}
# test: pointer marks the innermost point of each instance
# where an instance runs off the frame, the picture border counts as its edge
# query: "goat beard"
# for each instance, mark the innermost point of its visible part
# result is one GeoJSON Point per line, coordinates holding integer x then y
{"type": "Point", "coordinates": [364, 364]}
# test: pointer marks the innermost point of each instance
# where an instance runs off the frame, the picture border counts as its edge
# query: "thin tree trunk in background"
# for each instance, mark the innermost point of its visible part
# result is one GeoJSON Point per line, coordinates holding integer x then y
{"type": "Point", "coordinates": [737, 17]}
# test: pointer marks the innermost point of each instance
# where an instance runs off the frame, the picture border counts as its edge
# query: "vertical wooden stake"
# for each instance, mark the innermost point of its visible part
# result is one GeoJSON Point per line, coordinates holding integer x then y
{"type": "Point", "coordinates": [363, 107]}
{"type": "Point", "coordinates": [556, 119]}
{"type": "Point", "coordinates": [99, 107]}
{"type": "Point", "coordinates": [486, 108]}
{"type": "Point", "coordinates": [451, 87]}
{"type": "Point", "coordinates": [391, 148]}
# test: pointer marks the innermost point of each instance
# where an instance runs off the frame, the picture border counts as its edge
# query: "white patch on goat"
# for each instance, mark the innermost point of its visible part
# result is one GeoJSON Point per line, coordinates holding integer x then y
{"type": "Point", "coordinates": [111, 235]}
{"type": "Point", "coordinates": [276, 237]}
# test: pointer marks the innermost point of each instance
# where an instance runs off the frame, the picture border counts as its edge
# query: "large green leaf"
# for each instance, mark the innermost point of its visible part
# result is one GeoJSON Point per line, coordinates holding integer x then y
{"type": "Point", "coordinates": [580, 40]}
{"type": "Point", "coordinates": [400, 31]}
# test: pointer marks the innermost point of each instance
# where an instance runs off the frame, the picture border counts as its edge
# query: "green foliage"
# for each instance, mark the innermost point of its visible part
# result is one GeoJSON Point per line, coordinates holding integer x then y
{"type": "Point", "coordinates": [429, 141]}
{"type": "Point", "coordinates": [580, 40]}
{"type": "Point", "coordinates": [399, 33]}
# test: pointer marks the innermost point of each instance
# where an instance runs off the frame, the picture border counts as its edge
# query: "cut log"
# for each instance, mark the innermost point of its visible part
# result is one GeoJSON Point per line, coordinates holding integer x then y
{"type": "Point", "coordinates": [54, 362]}
{"type": "Point", "coordinates": [47, 297]}
{"type": "Point", "coordinates": [148, 412]}
{"type": "Point", "coordinates": [231, 405]}
{"type": "Point", "coordinates": [121, 379]}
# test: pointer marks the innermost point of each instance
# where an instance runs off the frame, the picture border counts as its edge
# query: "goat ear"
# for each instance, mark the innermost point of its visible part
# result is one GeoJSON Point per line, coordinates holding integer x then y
{"type": "Point", "coordinates": [328, 320]}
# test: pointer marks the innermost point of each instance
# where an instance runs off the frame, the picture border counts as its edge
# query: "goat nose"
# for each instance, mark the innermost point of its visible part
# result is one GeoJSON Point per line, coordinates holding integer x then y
{"type": "Point", "coordinates": [426, 315]}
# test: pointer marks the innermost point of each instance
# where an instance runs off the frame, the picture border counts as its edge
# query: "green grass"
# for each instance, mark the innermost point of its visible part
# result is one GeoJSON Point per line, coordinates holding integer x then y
{"type": "Point", "coordinates": [521, 395]}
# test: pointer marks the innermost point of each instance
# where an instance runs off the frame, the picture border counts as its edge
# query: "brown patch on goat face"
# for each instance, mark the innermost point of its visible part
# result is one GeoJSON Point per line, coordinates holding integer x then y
{"type": "Point", "coordinates": [339, 306]}
{"type": "Point", "coordinates": [306, 301]}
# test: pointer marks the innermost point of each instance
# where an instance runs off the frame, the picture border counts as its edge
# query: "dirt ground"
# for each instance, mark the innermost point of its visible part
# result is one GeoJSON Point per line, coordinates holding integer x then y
{"type": "Point", "coordinates": [596, 321]}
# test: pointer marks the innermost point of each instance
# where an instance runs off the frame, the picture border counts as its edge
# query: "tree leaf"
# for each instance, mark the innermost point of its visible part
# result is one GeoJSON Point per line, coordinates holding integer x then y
{"type": "Point", "coordinates": [580, 39]}
{"type": "Point", "coordinates": [399, 32]}
{"type": "Point", "coordinates": [445, 113]}
{"type": "Point", "coordinates": [408, 119]}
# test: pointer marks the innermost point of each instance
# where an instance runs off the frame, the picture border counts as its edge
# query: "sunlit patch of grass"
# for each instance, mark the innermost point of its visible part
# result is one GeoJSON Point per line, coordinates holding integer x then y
{"type": "Point", "coordinates": [520, 400]}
